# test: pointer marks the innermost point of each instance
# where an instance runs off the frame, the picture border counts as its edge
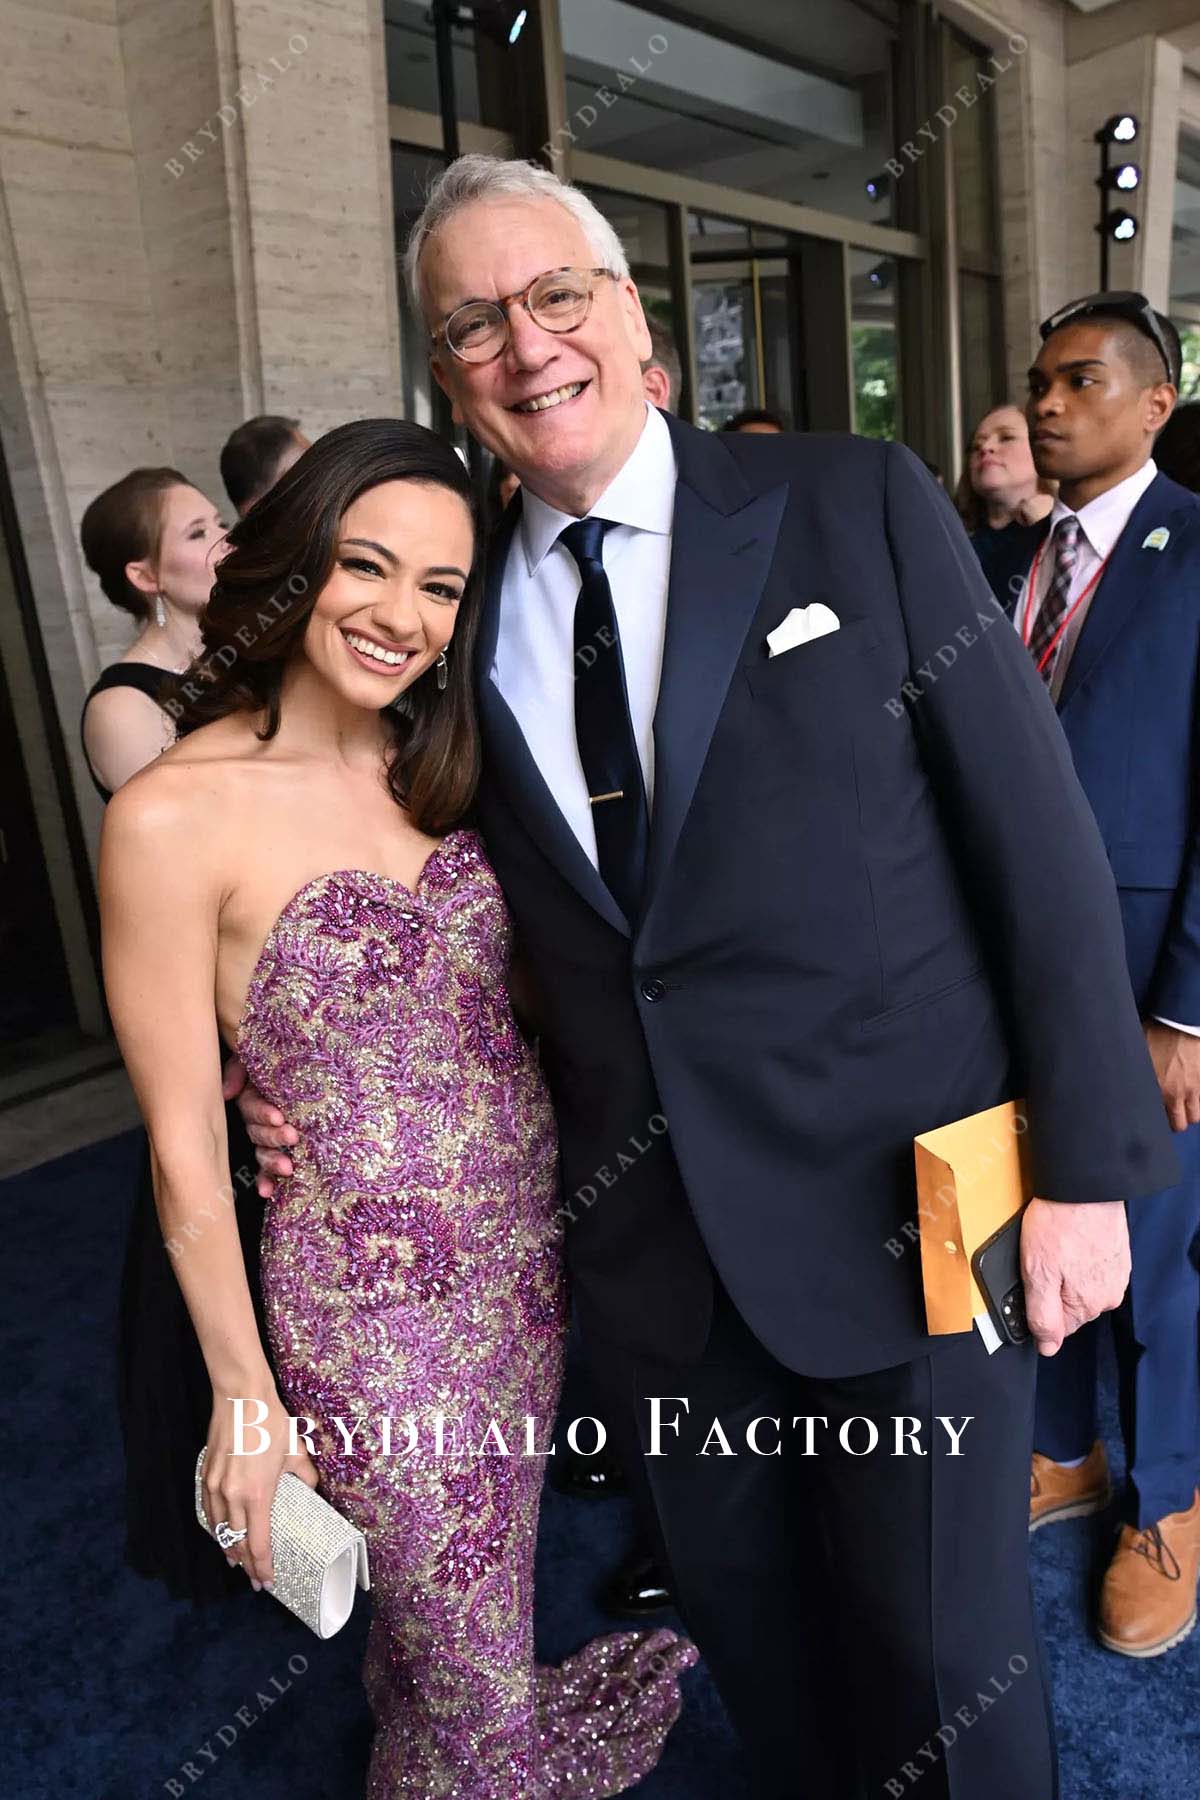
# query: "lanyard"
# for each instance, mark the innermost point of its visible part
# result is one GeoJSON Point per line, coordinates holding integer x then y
{"type": "Point", "coordinates": [1030, 616]}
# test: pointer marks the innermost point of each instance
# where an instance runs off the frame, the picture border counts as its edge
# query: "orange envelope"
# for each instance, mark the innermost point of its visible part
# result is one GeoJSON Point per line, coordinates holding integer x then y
{"type": "Point", "coordinates": [972, 1176]}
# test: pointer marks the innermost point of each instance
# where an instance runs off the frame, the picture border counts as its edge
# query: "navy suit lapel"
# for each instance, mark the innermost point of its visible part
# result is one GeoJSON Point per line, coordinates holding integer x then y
{"type": "Point", "coordinates": [722, 543]}
{"type": "Point", "coordinates": [508, 757]}
{"type": "Point", "coordinates": [1132, 569]}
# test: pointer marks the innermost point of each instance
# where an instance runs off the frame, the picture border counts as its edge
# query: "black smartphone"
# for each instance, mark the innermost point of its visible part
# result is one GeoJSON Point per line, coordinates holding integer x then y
{"type": "Point", "coordinates": [996, 1266]}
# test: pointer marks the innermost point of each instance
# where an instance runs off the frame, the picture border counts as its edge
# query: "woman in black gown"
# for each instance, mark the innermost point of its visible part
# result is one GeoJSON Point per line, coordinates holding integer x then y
{"type": "Point", "coordinates": [152, 540]}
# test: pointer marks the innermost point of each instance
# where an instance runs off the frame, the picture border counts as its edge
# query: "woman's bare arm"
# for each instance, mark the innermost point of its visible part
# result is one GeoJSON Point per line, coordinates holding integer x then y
{"type": "Point", "coordinates": [123, 730]}
{"type": "Point", "coordinates": [160, 897]}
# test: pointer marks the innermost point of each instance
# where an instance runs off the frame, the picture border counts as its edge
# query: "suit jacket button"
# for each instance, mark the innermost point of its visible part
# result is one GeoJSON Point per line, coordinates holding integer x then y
{"type": "Point", "coordinates": [654, 990]}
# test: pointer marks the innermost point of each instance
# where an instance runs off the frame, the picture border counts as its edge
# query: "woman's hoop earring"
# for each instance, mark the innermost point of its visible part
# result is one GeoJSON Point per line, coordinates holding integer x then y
{"type": "Point", "coordinates": [443, 671]}
{"type": "Point", "coordinates": [160, 612]}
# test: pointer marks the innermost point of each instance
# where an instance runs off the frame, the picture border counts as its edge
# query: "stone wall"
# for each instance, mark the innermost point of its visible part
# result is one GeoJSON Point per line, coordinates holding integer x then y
{"type": "Point", "coordinates": [195, 226]}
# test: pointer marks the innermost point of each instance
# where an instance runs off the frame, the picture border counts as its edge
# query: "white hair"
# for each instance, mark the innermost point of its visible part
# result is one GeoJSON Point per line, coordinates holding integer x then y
{"type": "Point", "coordinates": [471, 178]}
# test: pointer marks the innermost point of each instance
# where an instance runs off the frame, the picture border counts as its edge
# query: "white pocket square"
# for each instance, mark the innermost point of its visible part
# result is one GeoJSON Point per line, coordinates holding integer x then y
{"type": "Point", "coordinates": [802, 624]}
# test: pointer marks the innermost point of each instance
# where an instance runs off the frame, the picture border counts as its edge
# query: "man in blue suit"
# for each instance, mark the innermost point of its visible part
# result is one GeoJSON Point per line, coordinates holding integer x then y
{"type": "Point", "coordinates": [1107, 597]}
{"type": "Point", "coordinates": [793, 846]}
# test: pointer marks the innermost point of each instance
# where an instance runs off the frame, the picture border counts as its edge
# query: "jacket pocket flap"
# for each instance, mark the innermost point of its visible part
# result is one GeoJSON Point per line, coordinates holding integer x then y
{"type": "Point", "coordinates": [1149, 865]}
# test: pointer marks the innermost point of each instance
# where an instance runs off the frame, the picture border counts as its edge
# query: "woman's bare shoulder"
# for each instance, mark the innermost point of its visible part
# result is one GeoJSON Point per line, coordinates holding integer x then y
{"type": "Point", "coordinates": [195, 791]}
{"type": "Point", "coordinates": [121, 703]}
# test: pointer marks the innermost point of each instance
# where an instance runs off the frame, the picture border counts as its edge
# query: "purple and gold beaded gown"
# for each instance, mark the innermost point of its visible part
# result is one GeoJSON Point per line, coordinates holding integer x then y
{"type": "Point", "coordinates": [411, 1267]}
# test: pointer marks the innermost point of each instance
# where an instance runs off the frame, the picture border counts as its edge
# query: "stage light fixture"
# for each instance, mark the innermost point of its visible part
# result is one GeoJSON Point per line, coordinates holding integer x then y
{"type": "Point", "coordinates": [501, 20]}
{"type": "Point", "coordinates": [1117, 227]}
{"type": "Point", "coordinates": [1121, 128]}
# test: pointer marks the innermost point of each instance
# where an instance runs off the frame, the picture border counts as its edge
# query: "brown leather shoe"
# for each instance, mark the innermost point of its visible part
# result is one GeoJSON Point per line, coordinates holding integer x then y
{"type": "Point", "coordinates": [1058, 1493]}
{"type": "Point", "coordinates": [1148, 1601]}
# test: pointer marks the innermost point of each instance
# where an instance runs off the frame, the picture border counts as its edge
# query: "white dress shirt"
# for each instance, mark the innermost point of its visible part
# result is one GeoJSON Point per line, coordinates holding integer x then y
{"type": "Point", "coordinates": [1101, 522]}
{"type": "Point", "coordinates": [535, 642]}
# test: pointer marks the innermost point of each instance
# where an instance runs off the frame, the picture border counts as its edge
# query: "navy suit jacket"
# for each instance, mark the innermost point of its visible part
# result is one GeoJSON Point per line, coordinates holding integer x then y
{"type": "Point", "coordinates": [876, 901]}
{"type": "Point", "coordinates": [1130, 708]}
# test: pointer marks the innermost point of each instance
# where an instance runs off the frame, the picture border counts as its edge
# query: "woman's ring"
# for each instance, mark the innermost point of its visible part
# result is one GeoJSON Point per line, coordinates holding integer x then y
{"type": "Point", "coordinates": [226, 1536]}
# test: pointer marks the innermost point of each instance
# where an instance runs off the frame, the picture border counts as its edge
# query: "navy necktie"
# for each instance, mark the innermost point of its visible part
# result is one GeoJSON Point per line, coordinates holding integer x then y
{"type": "Point", "coordinates": [603, 727]}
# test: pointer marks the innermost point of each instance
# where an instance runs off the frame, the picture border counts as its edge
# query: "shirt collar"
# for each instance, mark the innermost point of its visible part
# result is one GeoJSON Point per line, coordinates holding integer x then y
{"type": "Point", "coordinates": [641, 494]}
{"type": "Point", "coordinates": [1103, 519]}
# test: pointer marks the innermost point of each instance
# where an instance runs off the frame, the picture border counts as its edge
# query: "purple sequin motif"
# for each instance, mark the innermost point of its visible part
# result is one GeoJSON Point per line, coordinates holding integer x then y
{"type": "Point", "coordinates": [412, 1271]}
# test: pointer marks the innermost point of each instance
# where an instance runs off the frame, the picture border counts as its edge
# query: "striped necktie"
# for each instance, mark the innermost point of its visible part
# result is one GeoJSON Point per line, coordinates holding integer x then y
{"type": "Point", "coordinates": [1051, 613]}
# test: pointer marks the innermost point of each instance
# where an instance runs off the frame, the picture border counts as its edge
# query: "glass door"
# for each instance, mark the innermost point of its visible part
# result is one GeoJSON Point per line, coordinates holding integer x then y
{"type": "Point", "coordinates": [744, 314]}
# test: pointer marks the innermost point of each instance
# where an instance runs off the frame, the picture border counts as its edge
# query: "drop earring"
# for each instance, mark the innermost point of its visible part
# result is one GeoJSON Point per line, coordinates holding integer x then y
{"type": "Point", "coordinates": [160, 613]}
{"type": "Point", "coordinates": [443, 671]}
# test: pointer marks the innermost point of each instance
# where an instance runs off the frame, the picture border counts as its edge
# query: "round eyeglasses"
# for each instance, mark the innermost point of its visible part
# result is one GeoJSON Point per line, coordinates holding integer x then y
{"type": "Point", "coordinates": [560, 300]}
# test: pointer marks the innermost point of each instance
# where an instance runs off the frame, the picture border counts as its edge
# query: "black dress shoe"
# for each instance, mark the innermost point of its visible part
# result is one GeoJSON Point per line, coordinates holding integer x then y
{"type": "Point", "coordinates": [638, 1587]}
{"type": "Point", "coordinates": [587, 1477]}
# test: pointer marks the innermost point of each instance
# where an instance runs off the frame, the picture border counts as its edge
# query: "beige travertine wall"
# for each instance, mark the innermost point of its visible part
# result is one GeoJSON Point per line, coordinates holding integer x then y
{"type": "Point", "coordinates": [81, 375]}
{"type": "Point", "coordinates": [173, 89]}
{"type": "Point", "coordinates": [179, 248]}
{"type": "Point", "coordinates": [322, 325]}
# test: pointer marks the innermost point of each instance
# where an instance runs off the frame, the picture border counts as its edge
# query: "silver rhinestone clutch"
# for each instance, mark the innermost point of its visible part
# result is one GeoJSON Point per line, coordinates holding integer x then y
{"type": "Point", "coordinates": [317, 1556]}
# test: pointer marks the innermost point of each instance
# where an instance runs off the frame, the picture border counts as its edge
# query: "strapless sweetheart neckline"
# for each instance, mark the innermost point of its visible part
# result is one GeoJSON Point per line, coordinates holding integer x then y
{"type": "Point", "coordinates": [412, 893]}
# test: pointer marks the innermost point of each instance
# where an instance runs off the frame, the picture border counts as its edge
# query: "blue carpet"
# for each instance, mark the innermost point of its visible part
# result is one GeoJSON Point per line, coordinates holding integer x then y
{"type": "Point", "coordinates": [114, 1688]}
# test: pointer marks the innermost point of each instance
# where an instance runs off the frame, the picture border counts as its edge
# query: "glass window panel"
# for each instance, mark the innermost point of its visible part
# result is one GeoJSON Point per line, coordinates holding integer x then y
{"type": "Point", "coordinates": [972, 147]}
{"type": "Point", "coordinates": [413, 172]}
{"type": "Point", "coordinates": [722, 318]}
{"type": "Point", "coordinates": [802, 112]}
{"type": "Point", "coordinates": [1185, 234]}
{"type": "Point", "coordinates": [873, 344]}
{"type": "Point", "coordinates": [725, 352]}
{"type": "Point", "coordinates": [412, 76]}
{"type": "Point", "coordinates": [775, 301]}
{"type": "Point", "coordinates": [641, 226]}
{"type": "Point", "coordinates": [742, 318]}
{"type": "Point", "coordinates": [982, 376]}
{"type": "Point", "coordinates": [1189, 338]}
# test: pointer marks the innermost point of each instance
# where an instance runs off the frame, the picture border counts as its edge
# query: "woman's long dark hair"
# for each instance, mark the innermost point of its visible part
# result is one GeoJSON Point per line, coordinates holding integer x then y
{"type": "Point", "coordinates": [282, 554]}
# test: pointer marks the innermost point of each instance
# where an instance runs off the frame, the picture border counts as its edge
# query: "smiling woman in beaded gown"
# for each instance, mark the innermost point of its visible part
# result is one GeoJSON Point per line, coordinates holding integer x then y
{"type": "Point", "coordinates": [359, 964]}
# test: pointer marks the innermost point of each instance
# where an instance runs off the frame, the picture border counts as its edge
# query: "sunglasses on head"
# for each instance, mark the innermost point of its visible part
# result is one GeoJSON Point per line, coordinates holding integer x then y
{"type": "Point", "coordinates": [1121, 304]}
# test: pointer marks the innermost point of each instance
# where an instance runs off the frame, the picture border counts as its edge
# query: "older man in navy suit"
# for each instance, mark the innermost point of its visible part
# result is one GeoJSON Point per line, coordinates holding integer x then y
{"type": "Point", "coordinates": [1109, 606]}
{"type": "Point", "coordinates": [792, 840]}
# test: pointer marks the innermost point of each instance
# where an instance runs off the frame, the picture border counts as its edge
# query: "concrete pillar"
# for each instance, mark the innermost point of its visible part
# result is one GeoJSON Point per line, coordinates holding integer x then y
{"type": "Point", "coordinates": [312, 223]}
